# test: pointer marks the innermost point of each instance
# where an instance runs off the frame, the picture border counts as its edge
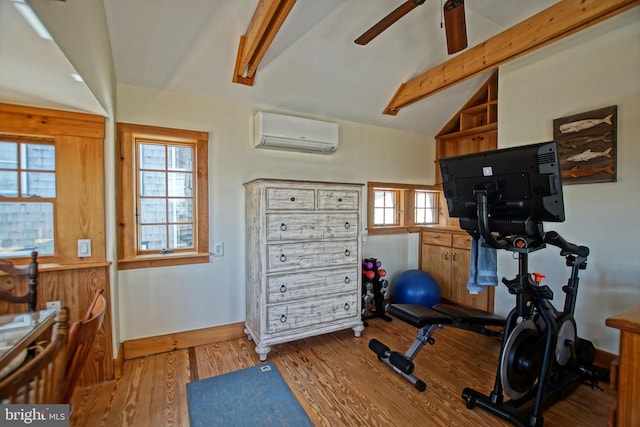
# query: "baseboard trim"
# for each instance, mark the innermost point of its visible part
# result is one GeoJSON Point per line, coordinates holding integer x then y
{"type": "Point", "coordinates": [180, 340]}
{"type": "Point", "coordinates": [603, 359]}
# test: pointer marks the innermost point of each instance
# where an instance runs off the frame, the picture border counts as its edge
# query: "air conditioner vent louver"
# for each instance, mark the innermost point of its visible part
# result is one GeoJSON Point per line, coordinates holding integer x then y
{"type": "Point", "coordinates": [280, 132]}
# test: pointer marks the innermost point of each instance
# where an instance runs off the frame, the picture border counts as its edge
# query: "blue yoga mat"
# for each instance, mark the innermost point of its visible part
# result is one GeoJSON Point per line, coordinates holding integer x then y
{"type": "Point", "coordinates": [256, 396]}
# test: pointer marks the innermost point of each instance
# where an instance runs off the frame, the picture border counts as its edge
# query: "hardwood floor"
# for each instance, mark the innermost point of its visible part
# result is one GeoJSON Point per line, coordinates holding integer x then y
{"type": "Point", "coordinates": [337, 380]}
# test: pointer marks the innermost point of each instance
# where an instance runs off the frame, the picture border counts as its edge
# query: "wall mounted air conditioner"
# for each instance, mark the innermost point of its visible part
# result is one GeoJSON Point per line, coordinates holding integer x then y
{"type": "Point", "coordinates": [280, 132]}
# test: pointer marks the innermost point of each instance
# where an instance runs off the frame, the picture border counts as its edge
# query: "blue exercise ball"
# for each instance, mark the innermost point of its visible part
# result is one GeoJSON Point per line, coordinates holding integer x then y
{"type": "Point", "coordinates": [415, 287]}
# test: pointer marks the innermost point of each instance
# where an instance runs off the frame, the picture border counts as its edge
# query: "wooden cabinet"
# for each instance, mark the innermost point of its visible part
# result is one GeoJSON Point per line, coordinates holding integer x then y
{"type": "Point", "coordinates": [473, 128]}
{"type": "Point", "coordinates": [303, 260]}
{"type": "Point", "coordinates": [446, 256]}
{"type": "Point", "coordinates": [626, 412]}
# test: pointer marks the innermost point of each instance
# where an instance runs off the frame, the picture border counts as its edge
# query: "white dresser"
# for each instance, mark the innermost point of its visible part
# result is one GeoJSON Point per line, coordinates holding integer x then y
{"type": "Point", "coordinates": [303, 260]}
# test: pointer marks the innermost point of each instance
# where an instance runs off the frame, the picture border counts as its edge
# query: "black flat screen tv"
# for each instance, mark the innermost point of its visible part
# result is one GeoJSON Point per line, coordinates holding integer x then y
{"type": "Point", "coordinates": [522, 184]}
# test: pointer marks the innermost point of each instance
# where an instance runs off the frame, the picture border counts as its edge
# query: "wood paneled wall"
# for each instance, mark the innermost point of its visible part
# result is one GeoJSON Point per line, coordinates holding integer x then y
{"type": "Point", "coordinates": [80, 206]}
{"type": "Point", "coordinates": [74, 288]}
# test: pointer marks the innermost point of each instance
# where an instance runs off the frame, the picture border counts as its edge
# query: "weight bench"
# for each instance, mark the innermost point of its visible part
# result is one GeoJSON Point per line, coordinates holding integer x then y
{"type": "Point", "coordinates": [427, 320]}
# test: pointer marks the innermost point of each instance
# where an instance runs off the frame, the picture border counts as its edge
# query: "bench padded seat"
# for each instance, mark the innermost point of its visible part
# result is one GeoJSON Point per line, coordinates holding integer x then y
{"type": "Point", "coordinates": [418, 315]}
{"type": "Point", "coordinates": [469, 315]}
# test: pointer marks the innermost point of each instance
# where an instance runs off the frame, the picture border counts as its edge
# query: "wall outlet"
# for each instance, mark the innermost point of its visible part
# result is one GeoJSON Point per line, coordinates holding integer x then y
{"type": "Point", "coordinates": [53, 304]}
{"type": "Point", "coordinates": [218, 249]}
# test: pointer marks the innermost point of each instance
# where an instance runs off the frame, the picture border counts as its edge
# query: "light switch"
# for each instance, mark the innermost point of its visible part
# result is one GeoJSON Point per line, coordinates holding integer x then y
{"type": "Point", "coordinates": [84, 248]}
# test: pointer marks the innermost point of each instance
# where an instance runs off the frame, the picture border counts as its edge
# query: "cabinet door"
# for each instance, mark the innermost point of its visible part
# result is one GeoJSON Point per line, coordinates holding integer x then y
{"type": "Point", "coordinates": [436, 260]}
{"type": "Point", "coordinates": [460, 264]}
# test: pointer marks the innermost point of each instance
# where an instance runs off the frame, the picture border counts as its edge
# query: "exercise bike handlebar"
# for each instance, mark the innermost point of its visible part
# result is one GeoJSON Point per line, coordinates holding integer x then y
{"type": "Point", "coordinates": [553, 238]}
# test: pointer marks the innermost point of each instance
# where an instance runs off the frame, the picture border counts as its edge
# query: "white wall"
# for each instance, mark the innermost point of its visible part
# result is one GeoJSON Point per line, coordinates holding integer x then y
{"type": "Point", "coordinates": [595, 68]}
{"type": "Point", "coordinates": [167, 299]}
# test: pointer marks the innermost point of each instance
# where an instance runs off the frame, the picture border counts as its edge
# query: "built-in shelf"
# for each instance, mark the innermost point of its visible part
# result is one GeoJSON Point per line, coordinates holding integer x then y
{"type": "Point", "coordinates": [473, 128]}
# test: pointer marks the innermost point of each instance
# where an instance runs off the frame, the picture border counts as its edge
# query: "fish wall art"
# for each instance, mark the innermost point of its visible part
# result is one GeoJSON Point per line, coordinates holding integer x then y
{"type": "Point", "coordinates": [587, 146]}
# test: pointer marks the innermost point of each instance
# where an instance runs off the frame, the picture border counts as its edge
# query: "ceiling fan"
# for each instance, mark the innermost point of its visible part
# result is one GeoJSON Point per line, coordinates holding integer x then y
{"type": "Point", "coordinates": [454, 24]}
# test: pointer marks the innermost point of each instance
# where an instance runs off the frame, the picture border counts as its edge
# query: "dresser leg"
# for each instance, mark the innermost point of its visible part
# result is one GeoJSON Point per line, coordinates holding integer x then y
{"type": "Point", "coordinates": [358, 329]}
{"type": "Point", "coordinates": [248, 334]}
{"type": "Point", "coordinates": [262, 351]}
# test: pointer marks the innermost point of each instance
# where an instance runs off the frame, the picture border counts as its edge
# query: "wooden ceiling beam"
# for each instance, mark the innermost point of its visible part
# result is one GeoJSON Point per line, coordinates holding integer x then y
{"type": "Point", "coordinates": [265, 23]}
{"type": "Point", "coordinates": [552, 24]}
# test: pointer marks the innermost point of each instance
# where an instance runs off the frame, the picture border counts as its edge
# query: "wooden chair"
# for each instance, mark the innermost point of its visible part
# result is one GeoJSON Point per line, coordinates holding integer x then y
{"type": "Point", "coordinates": [31, 297]}
{"type": "Point", "coordinates": [41, 379]}
{"type": "Point", "coordinates": [81, 337]}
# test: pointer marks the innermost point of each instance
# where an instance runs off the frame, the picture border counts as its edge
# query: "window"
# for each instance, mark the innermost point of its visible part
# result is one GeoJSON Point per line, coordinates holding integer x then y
{"type": "Point", "coordinates": [28, 197]}
{"type": "Point", "coordinates": [163, 200]}
{"type": "Point", "coordinates": [395, 208]}
{"type": "Point", "coordinates": [165, 196]}
{"type": "Point", "coordinates": [425, 207]}
{"type": "Point", "coordinates": [385, 207]}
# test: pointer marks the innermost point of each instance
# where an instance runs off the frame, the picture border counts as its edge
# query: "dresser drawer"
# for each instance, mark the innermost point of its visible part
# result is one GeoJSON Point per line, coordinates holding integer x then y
{"type": "Point", "coordinates": [437, 238]}
{"type": "Point", "coordinates": [283, 226]}
{"type": "Point", "coordinates": [338, 199]}
{"type": "Point", "coordinates": [284, 317]}
{"type": "Point", "coordinates": [291, 198]}
{"type": "Point", "coordinates": [289, 256]}
{"type": "Point", "coordinates": [462, 241]}
{"type": "Point", "coordinates": [287, 287]}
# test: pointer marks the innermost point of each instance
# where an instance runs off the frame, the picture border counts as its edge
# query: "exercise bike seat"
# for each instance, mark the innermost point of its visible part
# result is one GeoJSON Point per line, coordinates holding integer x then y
{"type": "Point", "coordinates": [462, 314]}
{"type": "Point", "coordinates": [418, 315]}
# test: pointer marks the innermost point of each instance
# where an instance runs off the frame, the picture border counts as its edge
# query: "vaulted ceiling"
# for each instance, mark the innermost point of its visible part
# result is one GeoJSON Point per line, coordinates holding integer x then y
{"type": "Point", "coordinates": [311, 67]}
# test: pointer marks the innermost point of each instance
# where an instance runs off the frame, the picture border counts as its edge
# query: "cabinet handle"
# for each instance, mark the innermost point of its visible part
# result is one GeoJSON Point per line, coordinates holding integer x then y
{"type": "Point", "coordinates": [435, 236]}
{"type": "Point", "coordinates": [347, 252]}
{"type": "Point", "coordinates": [283, 258]}
{"type": "Point", "coordinates": [446, 255]}
{"type": "Point", "coordinates": [283, 227]}
{"type": "Point", "coordinates": [340, 199]}
{"type": "Point", "coordinates": [347, 280]}
{"type": "Point", "coordinates": [454, 256]}
{"type": "Point", "coordinates": [283, 289]}
{"type": "Point", "coordinates": [283, 319]}
{"type": "Point", "coordinates": [293, 199]}
{"type": "Point", "coordinates": [347, 225]}
{"type": "Point", "coordinates": [347, 306]}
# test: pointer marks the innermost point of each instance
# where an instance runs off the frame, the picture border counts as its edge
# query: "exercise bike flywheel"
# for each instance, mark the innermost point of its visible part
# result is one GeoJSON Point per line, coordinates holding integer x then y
{"type": "Point", "coordinates": [567, 337]}
{"type": "Point", "coordinates": [520, 359]}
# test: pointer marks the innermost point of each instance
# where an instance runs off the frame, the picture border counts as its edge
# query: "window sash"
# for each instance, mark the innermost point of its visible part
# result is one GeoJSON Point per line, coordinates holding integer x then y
{"type": "Point", "coordinates": [165, 200]}
{"type": "Point", "coordinates": [28, 204]}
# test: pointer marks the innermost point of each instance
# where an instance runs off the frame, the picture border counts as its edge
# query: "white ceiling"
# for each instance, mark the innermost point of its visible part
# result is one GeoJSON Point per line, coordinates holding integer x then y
{"type": "Point", "coordinates": [312, 67]}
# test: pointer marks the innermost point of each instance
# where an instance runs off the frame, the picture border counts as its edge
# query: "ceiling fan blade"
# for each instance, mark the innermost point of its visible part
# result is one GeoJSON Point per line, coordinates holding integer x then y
{"type": "Point", "coordinates": [455, 25]}
{"type": "Point", "coordinates": [387, 21]}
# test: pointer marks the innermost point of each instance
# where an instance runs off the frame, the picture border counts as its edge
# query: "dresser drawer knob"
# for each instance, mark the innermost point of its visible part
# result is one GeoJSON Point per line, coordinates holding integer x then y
{"type": "Point", "coordinates": [347, 306]}
{"type": "Point", "coordinates": [347, 225]}
{"type": "Point", "coordinates": [340, 199]}
{"type": "Point", "coordinates": [283, 258]}
{"type": "Point", "coordinates": [347, 280]}
{"type": "Point", "coordinates": [283, 227]}
{"type": "Point", "coordinates": [347, 252]}
{"type": "Point", "coordinates": [283, 318]}
{"type": "Point", "coordinates": [293, 199]}
{"type": "Point", "coordinates": [283, 289]}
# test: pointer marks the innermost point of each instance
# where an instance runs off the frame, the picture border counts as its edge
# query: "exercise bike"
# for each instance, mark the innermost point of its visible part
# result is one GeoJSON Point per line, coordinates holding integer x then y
{"type": "Point", "coordinates": [542, 359]}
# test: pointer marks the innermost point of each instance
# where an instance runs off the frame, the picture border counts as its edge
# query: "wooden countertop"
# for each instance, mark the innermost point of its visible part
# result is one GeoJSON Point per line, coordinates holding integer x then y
{"type": "Point", "coordinates": [628, 320]}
